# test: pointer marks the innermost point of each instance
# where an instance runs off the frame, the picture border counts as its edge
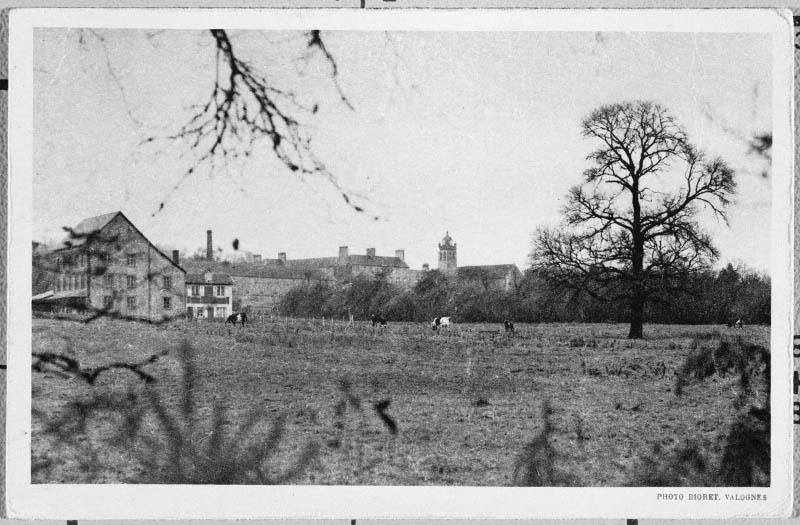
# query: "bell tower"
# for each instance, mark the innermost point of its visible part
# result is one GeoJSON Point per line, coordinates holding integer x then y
{"type": "Point", "coordinates": [447, 255]}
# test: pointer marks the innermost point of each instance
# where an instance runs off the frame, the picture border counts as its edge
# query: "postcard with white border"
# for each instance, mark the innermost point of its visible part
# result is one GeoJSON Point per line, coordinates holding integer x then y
{"type": "Point", "coordinates": [494, 263]}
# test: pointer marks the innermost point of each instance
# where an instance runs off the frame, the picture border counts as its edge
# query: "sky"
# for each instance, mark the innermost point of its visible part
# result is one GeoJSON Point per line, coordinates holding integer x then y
{"type": "Point", "coordinates": [473, 133]}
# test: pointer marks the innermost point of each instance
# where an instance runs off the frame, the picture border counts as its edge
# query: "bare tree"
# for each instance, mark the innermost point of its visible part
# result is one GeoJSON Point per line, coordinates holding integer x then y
{"type": "Point", "coordinates": [246, 109]}
{"type": "Point", "coordinates": [631, 231]}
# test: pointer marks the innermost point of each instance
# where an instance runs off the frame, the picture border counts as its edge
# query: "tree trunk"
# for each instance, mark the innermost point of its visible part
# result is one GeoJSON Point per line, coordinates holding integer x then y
{"type": "Point", "coordinates": [637, 307]}
{"type": "Point", "coordinates": [637, 266]}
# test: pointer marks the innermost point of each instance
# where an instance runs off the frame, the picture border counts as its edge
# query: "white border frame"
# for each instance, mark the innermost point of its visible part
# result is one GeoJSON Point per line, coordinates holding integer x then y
{"type": "Point", "coordinates": [25, 500]}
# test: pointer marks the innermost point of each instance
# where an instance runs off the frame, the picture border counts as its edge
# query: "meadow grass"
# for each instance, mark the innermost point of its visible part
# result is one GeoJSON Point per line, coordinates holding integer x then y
{"type": "Point", "coordinates": [468, 403]}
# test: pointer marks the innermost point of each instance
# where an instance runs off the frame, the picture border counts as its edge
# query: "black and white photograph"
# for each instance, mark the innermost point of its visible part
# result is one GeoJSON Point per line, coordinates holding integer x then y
{"type": "Point", "coordinates": [428, 264]}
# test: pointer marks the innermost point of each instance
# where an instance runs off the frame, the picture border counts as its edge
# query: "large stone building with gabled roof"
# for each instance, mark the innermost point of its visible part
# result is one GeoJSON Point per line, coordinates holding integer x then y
{"type": "Point", "coordinates": [106, 266]}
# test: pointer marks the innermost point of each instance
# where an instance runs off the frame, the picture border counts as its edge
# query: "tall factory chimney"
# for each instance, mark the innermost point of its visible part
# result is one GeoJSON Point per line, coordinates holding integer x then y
{"type": "Point", "coordinates": [209, 246]}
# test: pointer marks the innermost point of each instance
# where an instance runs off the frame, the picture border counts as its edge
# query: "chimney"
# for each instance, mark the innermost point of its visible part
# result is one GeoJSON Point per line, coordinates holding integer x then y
{"type": "Point", "coordinates": [343, 255]}
{"type": "Point", "coordinates": [176, 257]}
{"type": "Point", "coordinates": [400, 254]}
{"type": "Point", "coordinates": [370, 252]}
{"type": "Point", "coordinates": [257, 258]}
{"type": "Point", "coordinates": [209, 246]}
{"type": "Point", "coordinates": [282, 258]}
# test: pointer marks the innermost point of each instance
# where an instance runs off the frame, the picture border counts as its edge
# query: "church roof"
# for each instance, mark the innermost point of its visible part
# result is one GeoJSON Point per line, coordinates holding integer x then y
{"type": "Point", "coordinates": [447, 241]}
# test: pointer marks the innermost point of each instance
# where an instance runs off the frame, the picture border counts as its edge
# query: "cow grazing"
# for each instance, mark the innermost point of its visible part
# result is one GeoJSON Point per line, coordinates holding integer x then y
{"type": "Point", "coordinates": [440, 322]}
{"type": "Point", "coordinates": [509, 325]}
{"type": "Point", "coordinates": [237, 317]}
{"type": "Point", "coordinates": [378, 320]}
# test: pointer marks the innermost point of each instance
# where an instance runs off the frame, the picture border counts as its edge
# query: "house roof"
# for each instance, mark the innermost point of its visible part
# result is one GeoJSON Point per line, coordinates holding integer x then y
{"type": "Point", "coordinates": [243, 269]}
{"type": "Point", "coordinates": [63, 294]}
{"type": "Point", "coordinates": [80, 233]}
{"type": "Point", "coordinates": [376, 260]}
{"type": "Point", "coordinates": [77, 236]}
{"type": "Point", "coordinates": [330, 262]}
{"type": "Point", "coordinates": [216, 278]}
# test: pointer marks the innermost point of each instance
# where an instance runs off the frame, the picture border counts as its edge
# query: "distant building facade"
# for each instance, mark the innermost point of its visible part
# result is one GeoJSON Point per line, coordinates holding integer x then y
{"type": "Point", "coordinates": [209, 295]}
{"type": "Point", "coordinates": [107, 266]}
{"type": "Point", "coordinates": [258, 284]}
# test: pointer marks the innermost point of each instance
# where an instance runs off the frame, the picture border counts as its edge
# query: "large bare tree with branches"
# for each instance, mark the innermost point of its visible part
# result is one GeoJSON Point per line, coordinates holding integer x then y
{"type": "Point", "coordinates": [631, 230]}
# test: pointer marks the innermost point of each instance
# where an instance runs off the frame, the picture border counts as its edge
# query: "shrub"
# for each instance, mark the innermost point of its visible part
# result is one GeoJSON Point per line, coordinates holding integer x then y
{"type": "Point", "coordinates": [175, 447]}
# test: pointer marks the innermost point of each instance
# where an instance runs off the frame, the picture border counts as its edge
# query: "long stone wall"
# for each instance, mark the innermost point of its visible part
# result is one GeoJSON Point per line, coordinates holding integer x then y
{"type": "Point", "coordinates": [261, 293]}
{"type": "Point", "coordinates": [405, 278]}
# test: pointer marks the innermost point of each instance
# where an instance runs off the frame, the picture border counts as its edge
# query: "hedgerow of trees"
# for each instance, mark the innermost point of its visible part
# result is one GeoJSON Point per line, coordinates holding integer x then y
{"type": "Point", "coordinates": [708, 297]}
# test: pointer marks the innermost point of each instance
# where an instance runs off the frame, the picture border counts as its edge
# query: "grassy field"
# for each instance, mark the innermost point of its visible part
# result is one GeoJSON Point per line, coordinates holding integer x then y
{"type": "Point", "coordinates": [466, 402]}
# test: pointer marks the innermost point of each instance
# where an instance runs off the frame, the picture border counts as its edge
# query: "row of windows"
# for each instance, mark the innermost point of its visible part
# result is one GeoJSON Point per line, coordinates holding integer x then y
{"type": "Point", "coordinates": [104, 259]}
{"type": "Point", "coordinates": [130, 302]}
{"type": "Point", "coordinates": [78, 281]}
{"type": "Point", "coordinates": [70, 282]}
{"type": "Point", "coordinates": [219, 312]}
{"type": "Point", "coordinates": [70, 260]}
{"type": "Point", "coordinates": [208, 291]}
{"type": "Point", "coordinates": [130, 281]}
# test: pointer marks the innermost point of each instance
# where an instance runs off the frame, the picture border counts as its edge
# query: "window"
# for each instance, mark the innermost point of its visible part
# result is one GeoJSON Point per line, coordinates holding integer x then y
{"type": "Point", "coordinates": [209, 291]}
{"type": "Point", "coordinates": [167, 303]}
{"type": "Point", "coordinates": [131, 302]}
{"type": "Point", "coordinates": [82, 282]}
{"type": "Point", "coordinates": [109, 279]}
{"type": "Point", "coordinates": [195, 290]}
{"type": "Point", "coordinates": [220, 290]}
{"type": "Point", "coordinates": [108, 301]}
{"type": "Point", "coordinates": [130, 259]}
{"type": "Point", "coordinates": [131, 281]}
{"type": "Point", "coordinates": [220, 312]}
{"type": "Point", "coordinates": [167, 283]}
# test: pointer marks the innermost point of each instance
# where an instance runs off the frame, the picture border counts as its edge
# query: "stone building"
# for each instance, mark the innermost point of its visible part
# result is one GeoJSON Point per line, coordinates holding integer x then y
{"type": "Point", "coordinates": [498, 277]}
{"type": "Point", "coordinates": [259, 283]}
{"type": "Point", "coordinates": [447, 256]}
{"type": "Point", "coordinates": [107, 266]}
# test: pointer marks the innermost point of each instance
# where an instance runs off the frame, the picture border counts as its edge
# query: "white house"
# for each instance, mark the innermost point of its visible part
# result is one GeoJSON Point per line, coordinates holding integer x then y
{"type": "Point", "coordinates": [209, 295]}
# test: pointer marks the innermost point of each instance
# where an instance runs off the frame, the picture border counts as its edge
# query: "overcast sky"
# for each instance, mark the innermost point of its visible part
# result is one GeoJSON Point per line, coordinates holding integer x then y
{"type": "Point", "coordinates": [477, 134]}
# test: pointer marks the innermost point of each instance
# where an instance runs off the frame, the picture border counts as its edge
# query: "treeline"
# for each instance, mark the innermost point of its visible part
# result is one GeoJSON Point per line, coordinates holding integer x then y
{"type": "Point", "coordinates": [712, 297]}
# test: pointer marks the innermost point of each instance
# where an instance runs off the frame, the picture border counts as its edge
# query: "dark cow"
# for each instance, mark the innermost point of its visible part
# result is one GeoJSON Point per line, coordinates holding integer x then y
{"type": "Point", "coordinates": [440, 322]}
{"type": "Point", "coordinates": [378, 320]}
{"type": "Point", "coordinates": [509, 325]}
{"type": "Point", "coordinates": [237, 317]}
